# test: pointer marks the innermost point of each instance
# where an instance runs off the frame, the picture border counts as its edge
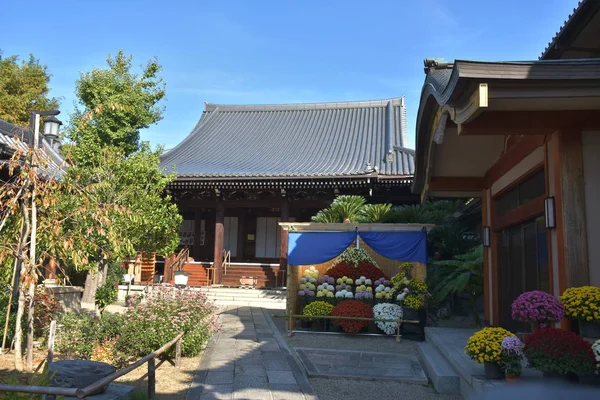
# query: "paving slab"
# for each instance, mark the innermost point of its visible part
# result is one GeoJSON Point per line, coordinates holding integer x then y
{"type": "Point", "coordinates": [247, 360]}
{"type": "Point", "coordinates": [361, 365]}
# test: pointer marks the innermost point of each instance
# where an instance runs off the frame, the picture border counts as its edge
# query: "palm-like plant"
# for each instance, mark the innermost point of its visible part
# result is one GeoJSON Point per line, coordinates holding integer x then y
{"type": "Point", "coordinates": [463, 274]}
{"type": "Point", "coordinates": [344, 208]}
{"type": "Point", "coordinates": [376, 213]}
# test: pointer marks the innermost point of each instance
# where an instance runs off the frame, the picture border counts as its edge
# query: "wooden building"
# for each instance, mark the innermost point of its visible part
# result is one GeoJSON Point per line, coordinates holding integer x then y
{"type": "Point", "coordinates": [525, 138]}
{"type": "Point", "coordinates": [245, 168]}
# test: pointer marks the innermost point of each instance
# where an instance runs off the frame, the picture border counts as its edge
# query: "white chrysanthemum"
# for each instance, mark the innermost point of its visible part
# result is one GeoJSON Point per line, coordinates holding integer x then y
{"type": "Point", "coordinates": [596, 350]}
{"type": "Point", "coordinates": [349, 295]}
{"type": "Point", "coordinates": [368, 282]}
{"type": "Point", "coordinates": [320, 287]}
{"type": "Point", "coordinates": [390, 312]}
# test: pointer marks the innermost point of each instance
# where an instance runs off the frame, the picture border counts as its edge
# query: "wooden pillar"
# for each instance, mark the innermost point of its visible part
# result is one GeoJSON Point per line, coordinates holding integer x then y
{"type": "Point", "coordinates": [283, 246]}
{"type": "Point", "coordinates": [219, 240]}
{"type": "Point", "coordinates": [570, 211]}
{"type": "Point", "coordinates": [486, 264]}
{"type": "Point", "coordinates": [196, 253]}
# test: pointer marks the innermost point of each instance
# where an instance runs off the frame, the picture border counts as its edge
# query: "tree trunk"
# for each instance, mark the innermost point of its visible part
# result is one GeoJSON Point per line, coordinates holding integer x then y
{"type": "Point", "coordinates": [104, 269]}
{"type": "Point", "coordinates": [30, 321]}
{"type": "Point", "coordinates": [21, 293]}
{"type": "Point", "coordinates": [19, 331]}
{"type": "Point", "coordinates": [92, 281]}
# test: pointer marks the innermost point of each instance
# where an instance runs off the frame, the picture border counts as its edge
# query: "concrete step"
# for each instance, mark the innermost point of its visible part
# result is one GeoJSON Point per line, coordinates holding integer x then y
{"type": "Point", "coordinates": [243, 292]}
{"type": "Point", "coordinates": [242, 298]}
{"type": "Point", "coordinates": [276, 305]}
{"type": "Point", "coordinates": [438, 370]}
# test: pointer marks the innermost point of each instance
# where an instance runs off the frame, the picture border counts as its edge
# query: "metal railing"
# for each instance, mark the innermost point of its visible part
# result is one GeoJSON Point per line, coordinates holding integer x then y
{"type": "Point", "coordinates": [83, 393]}
{"type": "Point", "coordinates": [226, 260]}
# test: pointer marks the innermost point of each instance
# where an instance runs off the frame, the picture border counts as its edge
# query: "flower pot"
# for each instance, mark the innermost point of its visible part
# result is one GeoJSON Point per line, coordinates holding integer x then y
{"type": "Point", "coordinates": [511, 378]}
{"type": "Point", "coordinates": [305, 324]}
{"type": "Point", "coordinates": [589, 329]}
{"type": "Point", "coordinates": [535, 327]}
{"type": "Point", "coordinates": [412, 331]}
{"type": "Point", "coordinates": [493, 370]}
{"type": "Point", "coordinates": [569, 377]}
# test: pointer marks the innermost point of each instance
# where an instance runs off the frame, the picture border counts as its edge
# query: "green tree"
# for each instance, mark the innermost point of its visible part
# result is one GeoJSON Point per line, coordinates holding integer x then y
{"type": "Point", "coordinates": [40, 212]}
{"type": "Point", "coordinates": [23, 87]}
{"type": "Point", "coordinates": [115, 103]}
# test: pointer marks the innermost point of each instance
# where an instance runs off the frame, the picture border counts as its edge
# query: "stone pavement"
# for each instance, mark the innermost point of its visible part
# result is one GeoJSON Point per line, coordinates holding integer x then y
{"type": "Point", "coordinates": [362, 365]}
{"type": "Point", "coordinates": [248, 360]}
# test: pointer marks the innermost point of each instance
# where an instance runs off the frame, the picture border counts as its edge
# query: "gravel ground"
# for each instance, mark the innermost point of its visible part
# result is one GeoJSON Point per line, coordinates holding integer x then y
{"type": "Point", "coordinates": [347, 389]}
{"type": "Point", "coordinates": [171, 383]}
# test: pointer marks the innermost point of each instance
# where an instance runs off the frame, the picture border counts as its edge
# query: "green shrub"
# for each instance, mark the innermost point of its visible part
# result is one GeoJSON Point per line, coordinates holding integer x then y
{"type": "Point", "coordinates": [144, 328]}
{"type": "Point", "coordinates": [46, 307]}
{"type": "Point", "coordinates": [106, 295]}
{"type": "Point", "coordinates": [78, 331]}
{"type": "Point", "coordinates": [168, 311]}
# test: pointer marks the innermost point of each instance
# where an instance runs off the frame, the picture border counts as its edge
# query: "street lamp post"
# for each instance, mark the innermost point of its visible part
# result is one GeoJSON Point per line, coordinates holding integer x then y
{"type": "Point", "coordinates": [52, 128]}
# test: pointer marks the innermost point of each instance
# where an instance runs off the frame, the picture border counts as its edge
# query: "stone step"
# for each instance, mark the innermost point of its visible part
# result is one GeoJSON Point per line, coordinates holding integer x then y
{"type": "Point", "coordinates": [246, 293]}
{"type": "Point", "coordinates": [276, 305]}
{"type": "Point", "coordinates": [246, 298]}
{"type": "Point", "coordinates": [259, 292]}
{"type": "Point", "coordinates": [438, 370]}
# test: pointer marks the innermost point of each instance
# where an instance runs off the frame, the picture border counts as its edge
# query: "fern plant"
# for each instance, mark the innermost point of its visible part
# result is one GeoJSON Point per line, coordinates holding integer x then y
{"type": "Point", "coordinates": [463, 274]}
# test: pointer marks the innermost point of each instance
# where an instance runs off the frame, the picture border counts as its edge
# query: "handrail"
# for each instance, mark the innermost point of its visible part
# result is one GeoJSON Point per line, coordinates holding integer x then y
{"type": "Point", "coordinates": [181, 259]}
{"type": "Point", "coordinates": [82, 393]}
{"type": "Point", "coordinates": [226, 260]}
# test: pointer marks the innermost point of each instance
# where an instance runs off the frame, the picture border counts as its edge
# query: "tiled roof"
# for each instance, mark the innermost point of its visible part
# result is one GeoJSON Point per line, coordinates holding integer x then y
{"type": "Point", "coordinates": [580, 17]}
{"type": "Point", "coordinates": [296, 140]}
{"type": "Point", "coordinates": [14, 137]}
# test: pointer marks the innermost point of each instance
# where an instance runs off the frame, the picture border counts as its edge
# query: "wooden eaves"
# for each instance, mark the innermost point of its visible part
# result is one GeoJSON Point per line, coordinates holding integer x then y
{"type": "Point", "coordinates": [350, 227]}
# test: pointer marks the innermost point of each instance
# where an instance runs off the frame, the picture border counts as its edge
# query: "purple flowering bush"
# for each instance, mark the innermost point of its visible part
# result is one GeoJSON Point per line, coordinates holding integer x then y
{"type": "Point", "coordinates": [166, 312]}
{"type": "Point", "coordinates": [537, 307]}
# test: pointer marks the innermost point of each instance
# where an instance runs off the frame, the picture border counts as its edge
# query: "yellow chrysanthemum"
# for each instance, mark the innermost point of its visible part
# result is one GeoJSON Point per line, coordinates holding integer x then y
{"type": "Point", "coordinates": [485, 344]}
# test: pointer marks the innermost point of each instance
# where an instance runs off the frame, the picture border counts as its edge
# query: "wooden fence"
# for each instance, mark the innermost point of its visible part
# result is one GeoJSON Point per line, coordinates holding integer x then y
{"type": "Point", "coordinates": [83, 393]}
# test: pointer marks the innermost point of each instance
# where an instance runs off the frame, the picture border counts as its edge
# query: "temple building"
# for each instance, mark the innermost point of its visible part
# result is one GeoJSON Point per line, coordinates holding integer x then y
{"type": "Point", "coordinates": [244, 168]}
{"type": "Point", "coordinates": [524, 137]}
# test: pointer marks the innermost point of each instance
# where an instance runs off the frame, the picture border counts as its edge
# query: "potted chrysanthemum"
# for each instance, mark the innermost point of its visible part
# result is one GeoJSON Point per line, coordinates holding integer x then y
{"type": "Point", "coordinates": [540, 309]}
{"type": "Point", "coordinates": [484, 346]}
{"type": "Point", "coordinates": [583, 304]}
{"type": "Point", "coordinates": [511, 351]}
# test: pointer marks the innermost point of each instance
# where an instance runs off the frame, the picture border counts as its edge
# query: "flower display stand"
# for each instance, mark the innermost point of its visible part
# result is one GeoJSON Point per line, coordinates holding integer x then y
{"type": "Point", "coordinates": [412, 331]}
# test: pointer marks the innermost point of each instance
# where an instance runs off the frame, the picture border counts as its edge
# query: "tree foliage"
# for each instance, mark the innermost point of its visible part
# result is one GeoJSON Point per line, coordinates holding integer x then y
{"type": "Point", "coordinates": [115, 103]}
{"type": "Point", "coordinates": [23, 87]}
{"type": "Point", "coordinates": [463, 274]}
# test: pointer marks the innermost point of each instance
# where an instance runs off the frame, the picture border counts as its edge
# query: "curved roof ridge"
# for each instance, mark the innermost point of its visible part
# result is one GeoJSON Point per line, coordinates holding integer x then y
{"type": "Point", "coordinates": [396, 101]}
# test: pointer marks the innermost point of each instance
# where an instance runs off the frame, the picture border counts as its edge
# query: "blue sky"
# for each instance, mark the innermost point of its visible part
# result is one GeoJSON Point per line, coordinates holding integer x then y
{"type": "Point", "coordinates": [263, 51]}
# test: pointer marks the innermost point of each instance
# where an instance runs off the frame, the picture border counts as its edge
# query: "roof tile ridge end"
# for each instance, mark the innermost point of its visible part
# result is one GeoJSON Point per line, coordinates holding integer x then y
{"type": "Point", "coordinates": [201, 122]}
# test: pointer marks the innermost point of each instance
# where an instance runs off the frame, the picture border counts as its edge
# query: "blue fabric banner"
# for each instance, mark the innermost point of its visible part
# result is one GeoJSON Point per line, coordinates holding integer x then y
{"type": "Point", "coordinates": [399, 246]}
{"type": "Point", "coordinates": [308, 248]}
